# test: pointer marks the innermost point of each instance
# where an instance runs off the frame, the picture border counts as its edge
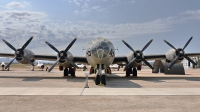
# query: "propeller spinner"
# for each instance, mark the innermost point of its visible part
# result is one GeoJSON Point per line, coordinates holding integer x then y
{"type": "Point", "coordinates": [138, 55]}
{"type": "Point", "coordinates": [18, 52]}
{"type": "Point", "coordinates": [62, 54]}
{"type": "Point", "coordinates": [180, 52]}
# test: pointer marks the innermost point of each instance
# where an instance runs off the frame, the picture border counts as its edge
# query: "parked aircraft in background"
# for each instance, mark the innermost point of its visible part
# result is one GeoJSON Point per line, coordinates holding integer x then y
{"type": "Point", "coordinates": [80, 65]}
{"type": "Point", "coordinates": [40, 65]}
{"type": "Point", "coordinates": [100, 54]}
{"type": "Point", "coordinates": [114, 66]}
{"type": "Point", "coordinates": [3, 66]}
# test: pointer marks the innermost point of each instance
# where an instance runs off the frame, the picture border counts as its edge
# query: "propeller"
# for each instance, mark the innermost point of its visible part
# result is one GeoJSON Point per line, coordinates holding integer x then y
{"type": "Point", "coordinates": [180, 53]}
{"type": "Point", "coordinates": [18, 52]}
{"type": "Point", "coordinates": [138, 55]}
{"type": "Point", "coordinates": [62, 54]}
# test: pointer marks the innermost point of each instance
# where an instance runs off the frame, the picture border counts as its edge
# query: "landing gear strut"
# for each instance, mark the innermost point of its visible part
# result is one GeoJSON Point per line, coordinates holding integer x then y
{"type": "Point", "coordinates": [100, 78]}
{"type": "Point", "coordinates": [32, 68]}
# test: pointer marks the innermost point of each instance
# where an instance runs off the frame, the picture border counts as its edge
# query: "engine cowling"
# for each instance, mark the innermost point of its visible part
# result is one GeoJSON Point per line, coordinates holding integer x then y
{"type": "Point", "coordinates": [27, 54]}
{"type": "Point", "coordinates": [172, 54]}
{"type": "Point", "coordinates": [63, 61]}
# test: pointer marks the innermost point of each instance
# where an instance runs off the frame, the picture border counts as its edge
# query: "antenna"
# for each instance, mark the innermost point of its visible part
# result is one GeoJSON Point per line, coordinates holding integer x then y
{"type": "Point", "coordinates": [83, 49]}
{"type": "Point", "coordinates": [117, 48]}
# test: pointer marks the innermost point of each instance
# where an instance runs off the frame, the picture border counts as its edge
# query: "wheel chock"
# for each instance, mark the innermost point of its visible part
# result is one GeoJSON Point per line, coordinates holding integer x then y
{"type": "Point", "coordinates": [101, 85]}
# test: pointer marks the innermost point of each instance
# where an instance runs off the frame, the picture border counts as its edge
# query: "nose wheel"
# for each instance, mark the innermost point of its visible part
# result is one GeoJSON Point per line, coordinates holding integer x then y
{"type": "Point", "coordinates": [100, 79]}
{"type": "Point", "coordinates": [97, 79]}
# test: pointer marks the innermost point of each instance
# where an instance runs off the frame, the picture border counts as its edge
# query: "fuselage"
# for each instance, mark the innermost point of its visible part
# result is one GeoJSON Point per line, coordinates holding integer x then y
{"type": "Point", "coordinates": [100, 51]}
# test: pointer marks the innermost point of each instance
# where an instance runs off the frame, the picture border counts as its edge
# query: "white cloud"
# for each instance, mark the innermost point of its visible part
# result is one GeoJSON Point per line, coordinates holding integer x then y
{"type": "Point", "coordinates": [23, 24]}
{"type": "Point", "coordinates": [17, 26]}
{"type": "Point", "coordinates": [76, 2]}
{"type": "Point", "coordinates": [85, 7]}
{"type": "Point", "coordinates": [21, 15]}
{"type": "Point", "coordinates": [191, 14]}
{"type": "Point", "coordinates": [97, 8]}
{"type": "Point", "coordinates": [13, 5]}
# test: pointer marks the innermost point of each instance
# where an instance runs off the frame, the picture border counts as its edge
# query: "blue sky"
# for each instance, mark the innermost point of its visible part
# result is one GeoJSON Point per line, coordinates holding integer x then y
{"type": "Point", "coordinates": [135, 21]}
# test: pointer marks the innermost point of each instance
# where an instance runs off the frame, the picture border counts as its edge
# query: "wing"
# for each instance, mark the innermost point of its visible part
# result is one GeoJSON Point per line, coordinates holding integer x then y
{"type": "Point", "coordinates": [6, 55]}
{"type": "Point", "coordinates": [121, 59]}
{"type": "Point", "coordinates": [193, 54]}
{"type": "Point", "coordinates": [125, 59]}
{"type": "Point", "coordinates": [155, 57]}
{"type": "Point", "coordinates": [46, 57]}
{"type": "Point", "coordinates": [80, 59]}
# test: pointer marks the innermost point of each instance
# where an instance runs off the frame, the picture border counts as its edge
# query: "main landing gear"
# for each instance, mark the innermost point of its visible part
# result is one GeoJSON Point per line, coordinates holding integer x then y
{"type": "Point", "coordinates": [131, 71]}
{"type": "Point", "coordinates": [68, 71]}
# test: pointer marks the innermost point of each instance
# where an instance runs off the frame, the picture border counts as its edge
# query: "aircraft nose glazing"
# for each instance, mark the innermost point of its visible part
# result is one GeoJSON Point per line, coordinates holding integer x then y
{"type": "Point", "coordinates": [100, 53]}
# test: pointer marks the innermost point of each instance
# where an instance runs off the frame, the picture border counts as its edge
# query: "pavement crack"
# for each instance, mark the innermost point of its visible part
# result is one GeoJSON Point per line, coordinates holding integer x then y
{"type": "Point", "coordinates": [82, 92]}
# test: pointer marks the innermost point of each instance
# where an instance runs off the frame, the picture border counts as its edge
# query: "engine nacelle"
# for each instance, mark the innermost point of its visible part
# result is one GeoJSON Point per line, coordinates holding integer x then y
{"type": "Point", "coordinates": [171, 55]}
{"type": "Point", "coordinates": [63, 62]}
{"type": "Point", "coordinates": [28, 54]}
{"type": "Point", "coordinates": [138, 60]}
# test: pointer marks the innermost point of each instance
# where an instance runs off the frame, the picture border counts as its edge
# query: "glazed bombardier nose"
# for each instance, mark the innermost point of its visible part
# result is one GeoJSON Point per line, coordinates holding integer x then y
{"type": "Point", "coordinates": [100, 50]}
{"type": "Point", "coordinates": [100, 53]}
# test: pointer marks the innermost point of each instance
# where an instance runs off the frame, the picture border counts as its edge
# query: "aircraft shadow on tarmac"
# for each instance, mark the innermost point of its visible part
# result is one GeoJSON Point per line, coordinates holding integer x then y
{"type": "Point", "coordinates": [113, 81]}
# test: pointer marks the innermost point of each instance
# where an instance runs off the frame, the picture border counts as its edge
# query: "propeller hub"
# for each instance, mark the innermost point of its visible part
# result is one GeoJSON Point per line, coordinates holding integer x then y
{"type": "Point", "coordinates": [181, 52]}
{"type": "Point", "coordinates": [61, 54]}
{"type": "Point", "coordinates": [17, 52]}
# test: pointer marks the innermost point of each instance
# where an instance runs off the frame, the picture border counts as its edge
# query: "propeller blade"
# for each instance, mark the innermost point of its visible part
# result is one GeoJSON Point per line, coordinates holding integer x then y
{"type": "Point", "coordinates": [173, 62]}
{"type": "Point", "coordinates": [190, 60]}
{"type": "Point", "coordinates": [128, 46]}
{"type": "Point", "coordinates": [147, 63]}
{"type": "Point", "coordinates": [52, 47]}
{"type": "Point", "coordinates": [71, 62]}
{"type": "Point", "coordinates": [147, 45]}
{"type": "Point", "coordinates": [7, 43]}
{"type": "Point", "coordinates": [25, 45]}
{"type": "Point", "coordinates": [187, 42]}
{"type": "Point", "coordinates": [170, 45]}
{"type": "Point", "coordinates": [27, 60]}
{"type": "Point", "coordinates": [70, 45]}
{"type": "Point", "coordinates": [10, 62]}
{"type": "Point", "coordinates": [130, 63]}
{"type": "Point", "coordinates": [53, 65]}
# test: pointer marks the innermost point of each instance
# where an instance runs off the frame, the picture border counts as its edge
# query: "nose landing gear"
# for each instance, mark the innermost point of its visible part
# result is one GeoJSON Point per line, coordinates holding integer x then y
{"type": "Point", "coordinates": [100, 78]}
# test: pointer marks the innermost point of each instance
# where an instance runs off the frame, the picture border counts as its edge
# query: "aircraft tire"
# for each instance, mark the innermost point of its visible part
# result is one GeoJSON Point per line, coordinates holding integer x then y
{"type": "Point", "coordinates": [103, 79]}
{"type": "Point", "coordinates": [66, 72]}
{"type": "Point", "coordinates": [134, 72]}
{"type": "Point", "coordinates": [128, 72]}
{"type": "Point", "coordinates": [72, 72]}
{"type": "Point", "coordinates": [97, 79]}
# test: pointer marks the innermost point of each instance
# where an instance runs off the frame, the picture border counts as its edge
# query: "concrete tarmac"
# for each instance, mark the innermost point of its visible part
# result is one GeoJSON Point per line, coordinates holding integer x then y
{"type": "Point", "coordinates": [26, 90]}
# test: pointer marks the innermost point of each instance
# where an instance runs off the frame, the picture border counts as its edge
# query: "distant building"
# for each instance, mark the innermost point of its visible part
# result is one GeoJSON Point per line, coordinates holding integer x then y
{"type": "Point", "coordinates": [190, 65]}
